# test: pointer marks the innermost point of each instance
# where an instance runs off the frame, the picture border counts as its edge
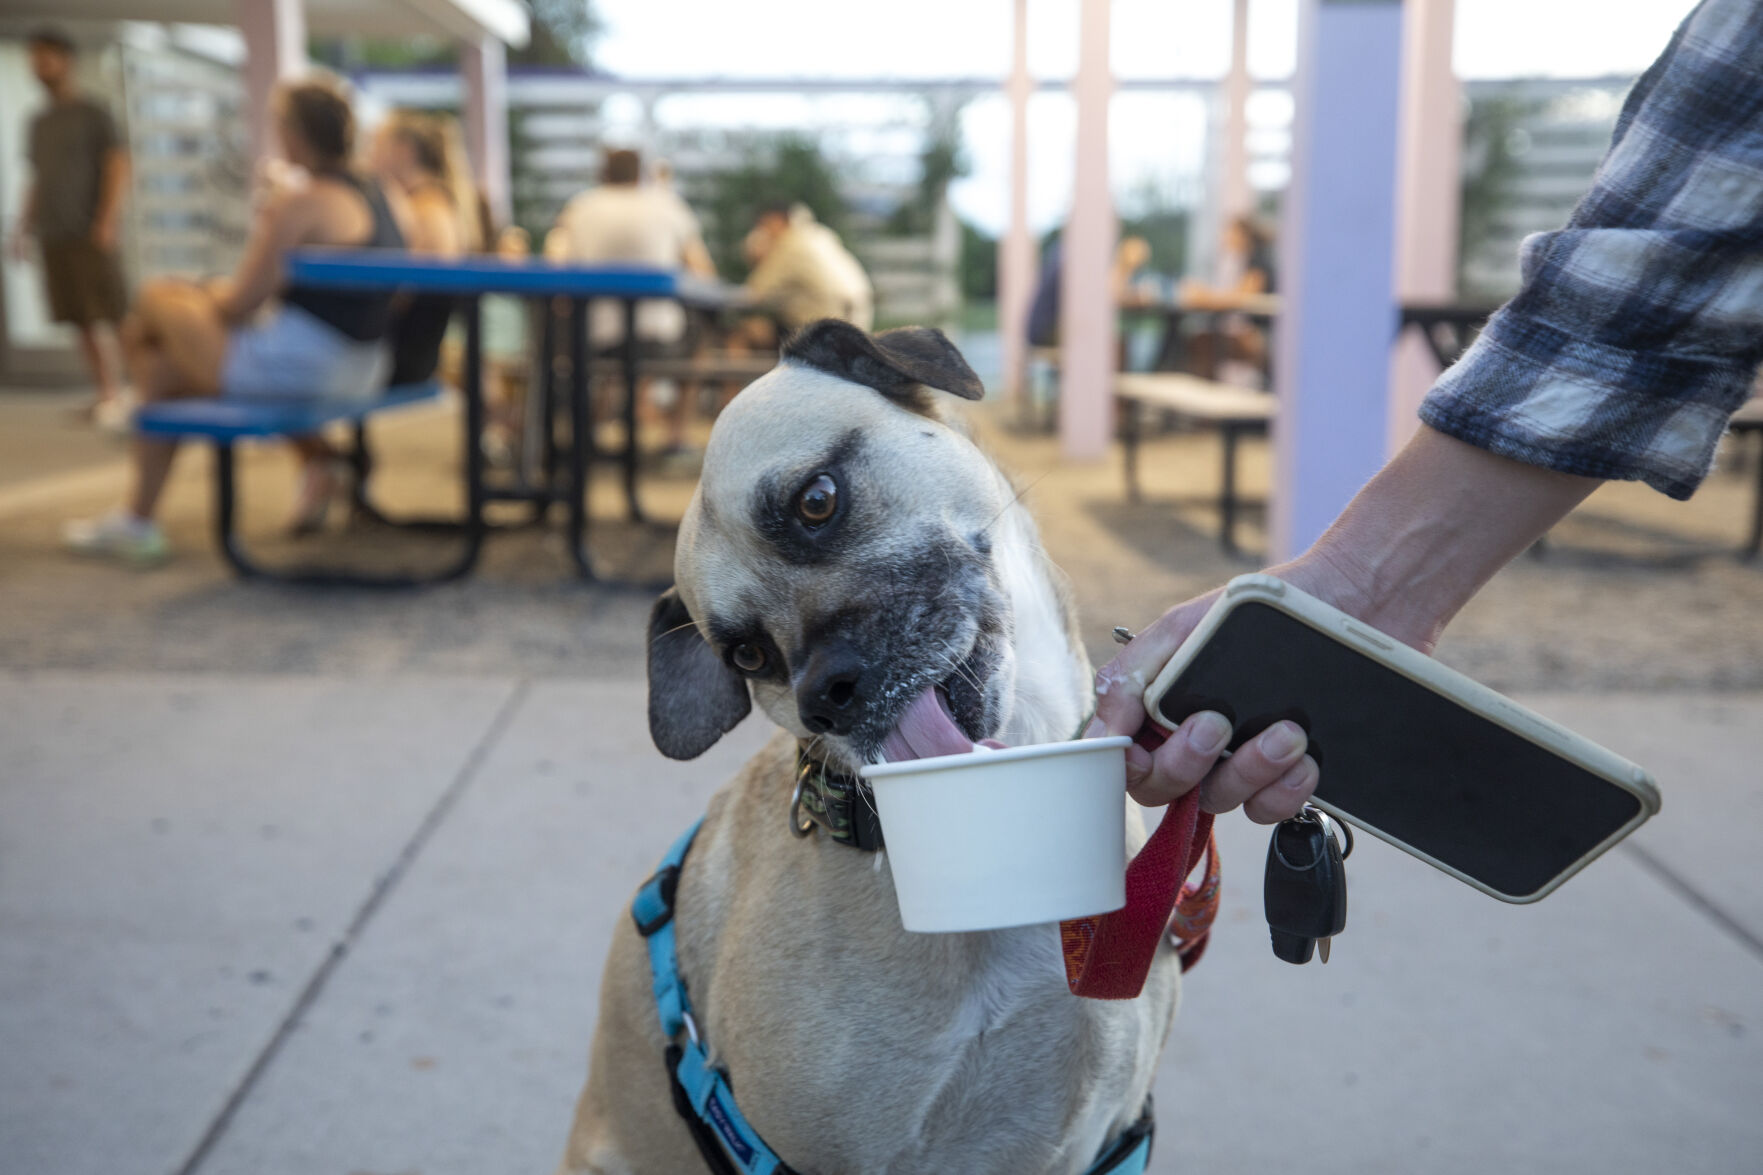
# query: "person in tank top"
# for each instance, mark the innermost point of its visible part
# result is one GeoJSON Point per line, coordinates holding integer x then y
{"type": "Point", "coordinates": [255, 335]}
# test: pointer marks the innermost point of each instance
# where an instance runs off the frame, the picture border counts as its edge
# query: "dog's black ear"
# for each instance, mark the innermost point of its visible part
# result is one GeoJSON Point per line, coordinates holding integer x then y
{"type": "Point", "coordinates": [895, 363]}
{"type": "Point", "coordinates": [694, 699]}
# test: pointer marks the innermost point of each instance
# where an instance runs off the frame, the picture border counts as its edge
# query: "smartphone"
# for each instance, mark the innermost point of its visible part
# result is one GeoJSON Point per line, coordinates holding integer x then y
{"type": "Point", "coordinates": [1412, 752]}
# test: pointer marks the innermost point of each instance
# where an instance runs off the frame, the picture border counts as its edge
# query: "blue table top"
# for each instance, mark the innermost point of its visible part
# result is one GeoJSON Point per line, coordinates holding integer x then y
{"type": "Point", "coordinates": [378, 269]}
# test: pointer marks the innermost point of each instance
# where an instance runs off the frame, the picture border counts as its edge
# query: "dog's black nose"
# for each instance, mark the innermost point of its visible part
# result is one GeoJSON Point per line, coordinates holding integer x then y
{"type": "Point", "coordinates": [830, 698]}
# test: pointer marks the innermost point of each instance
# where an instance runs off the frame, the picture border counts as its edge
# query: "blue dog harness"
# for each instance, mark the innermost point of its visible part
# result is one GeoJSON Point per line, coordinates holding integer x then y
{"type": "Point", "coordinates": [701, 1092]}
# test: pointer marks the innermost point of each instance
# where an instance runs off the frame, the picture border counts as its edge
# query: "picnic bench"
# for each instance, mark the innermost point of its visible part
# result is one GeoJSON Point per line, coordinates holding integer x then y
{"type": "Point", "coordinates": [224, 422]}
{"type": "Point", "coordinates": [1234, 411]}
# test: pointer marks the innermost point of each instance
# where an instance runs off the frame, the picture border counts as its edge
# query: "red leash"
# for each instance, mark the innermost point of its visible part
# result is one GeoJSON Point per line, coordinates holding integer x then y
{"type": "Point", "coordinates": [1107, 957]}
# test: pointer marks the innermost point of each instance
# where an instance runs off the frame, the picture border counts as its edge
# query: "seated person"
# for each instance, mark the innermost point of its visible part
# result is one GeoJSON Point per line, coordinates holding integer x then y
{"type": "Point", "coordinates": [1130, 256]}
{"type": "Point", "coordinates": [187, 339]}
{"type": "Point", "coordinates": [1234, 350]}
{"type": "Point", "coordinates": [804, 272]}
{"type": "Point", "coordinates": [623, 219]}
{"type": "Point", "coordinates": [419, 156]}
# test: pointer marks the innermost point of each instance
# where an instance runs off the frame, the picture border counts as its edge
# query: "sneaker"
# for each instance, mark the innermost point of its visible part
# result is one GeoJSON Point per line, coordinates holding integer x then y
{"type": "Point", "coordinates": [118, 536]}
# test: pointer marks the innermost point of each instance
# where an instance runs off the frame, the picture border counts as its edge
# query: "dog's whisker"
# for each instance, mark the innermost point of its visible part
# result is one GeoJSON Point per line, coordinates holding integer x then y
{"type": "Point", "coordinates": [1015, 497]}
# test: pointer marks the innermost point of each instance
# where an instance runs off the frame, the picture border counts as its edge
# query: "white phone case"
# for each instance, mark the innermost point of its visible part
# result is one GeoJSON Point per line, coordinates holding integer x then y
{"type": "Point", "coordinates": [1441, 680]}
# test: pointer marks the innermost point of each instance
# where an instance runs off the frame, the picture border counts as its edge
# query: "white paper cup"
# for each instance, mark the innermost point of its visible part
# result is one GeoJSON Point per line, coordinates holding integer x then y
{"type": "Point", "coordinates": [993, 839]}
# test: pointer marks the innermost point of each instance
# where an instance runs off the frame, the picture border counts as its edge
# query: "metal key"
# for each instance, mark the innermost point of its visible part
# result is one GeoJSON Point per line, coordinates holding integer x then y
{"type": "Point", "coordinates": [1305, 891]}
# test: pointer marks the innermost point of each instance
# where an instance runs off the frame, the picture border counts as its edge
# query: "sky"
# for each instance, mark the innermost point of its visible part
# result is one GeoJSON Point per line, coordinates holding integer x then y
{"type": "Point", "coordinates": [1156, 139]}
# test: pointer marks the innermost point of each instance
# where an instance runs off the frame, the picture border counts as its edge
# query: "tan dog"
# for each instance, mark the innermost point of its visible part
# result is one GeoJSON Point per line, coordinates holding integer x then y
{"type": "Point", "coordinates": [855, 563]}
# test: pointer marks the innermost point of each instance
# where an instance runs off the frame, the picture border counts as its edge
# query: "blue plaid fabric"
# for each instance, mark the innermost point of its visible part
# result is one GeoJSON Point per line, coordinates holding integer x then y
{"type": "Point", "coordinates": [1639, 327]}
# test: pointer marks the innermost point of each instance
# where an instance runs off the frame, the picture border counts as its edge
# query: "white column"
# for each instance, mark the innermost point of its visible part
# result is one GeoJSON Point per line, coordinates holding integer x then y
{"type": "Point", "coordinates": [1429, 197]}
{"type": "Point", "coordinates": [275, 48]}
{"type": "Point", "coordinates": [1337, 252]}
{"type": "Point", "coordinates": [1016, 252]}
{"type": "Point", "coordinates": [484, 66]}
{"type": "Point", "coordinates": [1086, 301]}
{"type": "Point", "coordinates": [1234, 197]}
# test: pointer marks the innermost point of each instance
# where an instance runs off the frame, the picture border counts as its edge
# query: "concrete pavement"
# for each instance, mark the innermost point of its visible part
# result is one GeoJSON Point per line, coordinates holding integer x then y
{"type": "Point", "coordinates": [353, 924]}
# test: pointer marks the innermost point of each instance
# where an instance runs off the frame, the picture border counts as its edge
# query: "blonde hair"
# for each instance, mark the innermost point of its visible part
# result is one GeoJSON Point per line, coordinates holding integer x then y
{"type": "Point", "coordinates": [439, 149]}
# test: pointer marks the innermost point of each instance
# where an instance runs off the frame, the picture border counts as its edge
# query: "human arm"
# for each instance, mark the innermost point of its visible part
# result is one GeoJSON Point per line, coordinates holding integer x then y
{"type": "Point", "coordinates": [697, 258]}
{"type": "Point", "coordinates": [1632, 341]}
{"type": "Point", "coordinates": [1411, 549]}
{"type": "Point", "coordinates": [432, 226]}
{"type": "Point", "coordinates": [283, 221]}
{"type": "Point", "coordinates": [26, 225]}
{"type": "Point", "coordinates": [107, 223]}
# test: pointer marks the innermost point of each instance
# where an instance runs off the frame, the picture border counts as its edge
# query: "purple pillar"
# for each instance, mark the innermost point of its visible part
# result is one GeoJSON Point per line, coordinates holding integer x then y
{"type": "Point", "coordinates": [1337, 252]}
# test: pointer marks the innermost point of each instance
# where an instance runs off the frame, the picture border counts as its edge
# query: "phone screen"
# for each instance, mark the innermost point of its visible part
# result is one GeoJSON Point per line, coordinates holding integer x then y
{"type": "Point", "coordinates": [1399, 758]}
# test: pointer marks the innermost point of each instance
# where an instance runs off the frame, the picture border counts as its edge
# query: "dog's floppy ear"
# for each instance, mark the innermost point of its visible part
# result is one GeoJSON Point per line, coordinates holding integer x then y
{"type": "Point", "coordinates": [694, 699]}
{"type": "Point", "coordinates": [895, 363]}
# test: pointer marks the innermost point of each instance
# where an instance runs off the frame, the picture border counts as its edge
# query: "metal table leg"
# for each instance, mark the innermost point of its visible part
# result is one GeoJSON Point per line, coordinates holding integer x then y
{"type": "Point", "coordinates": [630, 361]}
{"type": "Point", "coordinates": [581, 427]}
{"type": "Point", "coordinates": [1227, 503]}
{"type": "Point", "coordinates": [1132, 426]}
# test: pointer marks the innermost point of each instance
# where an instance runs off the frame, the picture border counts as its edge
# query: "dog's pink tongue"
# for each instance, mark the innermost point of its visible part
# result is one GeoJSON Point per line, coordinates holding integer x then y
{"type": "Point", "coordinates": [926, 730]}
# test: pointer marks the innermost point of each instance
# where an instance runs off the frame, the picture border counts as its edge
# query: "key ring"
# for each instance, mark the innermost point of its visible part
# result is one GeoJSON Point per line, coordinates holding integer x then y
{"type": "Point", "coordinates": [1332, 827]}
{"type": "Point", "coordinates": [799, 827]}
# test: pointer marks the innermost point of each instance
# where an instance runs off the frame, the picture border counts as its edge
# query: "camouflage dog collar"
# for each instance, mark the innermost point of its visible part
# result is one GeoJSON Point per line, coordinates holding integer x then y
{"type": "Point", "coordinates": [841, 804]}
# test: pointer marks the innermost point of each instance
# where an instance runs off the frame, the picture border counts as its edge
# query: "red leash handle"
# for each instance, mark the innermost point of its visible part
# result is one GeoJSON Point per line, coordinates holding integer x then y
{"type": "Point", "coordinates": [1108, 956]}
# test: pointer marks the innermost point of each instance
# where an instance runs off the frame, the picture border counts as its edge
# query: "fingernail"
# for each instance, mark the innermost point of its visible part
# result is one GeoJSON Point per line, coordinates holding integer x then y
{"type": "Point", "coordinates": [1208, 733]}
{"type": "Point", "coordinates": [1096, 729]}
{"type": "Point", "coordinates": [1282, 741]}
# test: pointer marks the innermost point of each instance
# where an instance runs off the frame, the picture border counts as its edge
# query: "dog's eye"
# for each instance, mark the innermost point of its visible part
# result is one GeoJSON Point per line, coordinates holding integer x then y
{"type": "Point", "coordinates": [817, 501]}
{"type": "Point", "coordinates": [748, 658]}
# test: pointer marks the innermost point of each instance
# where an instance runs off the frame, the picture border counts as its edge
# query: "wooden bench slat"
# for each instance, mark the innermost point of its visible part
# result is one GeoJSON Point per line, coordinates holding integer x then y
{"type": "Point", "coordinates": [1200, 399]}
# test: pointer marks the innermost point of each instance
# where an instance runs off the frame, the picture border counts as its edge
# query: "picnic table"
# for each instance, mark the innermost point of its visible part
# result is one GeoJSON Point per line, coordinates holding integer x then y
{"type": "Point", "coordinates": [579, 284]}
{"type": "Point", "coordinates": [1260, 309]}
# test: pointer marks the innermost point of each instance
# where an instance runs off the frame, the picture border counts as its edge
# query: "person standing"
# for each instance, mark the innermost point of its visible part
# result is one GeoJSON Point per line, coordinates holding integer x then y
{"type": "Point", "coordinates": [79, 176]}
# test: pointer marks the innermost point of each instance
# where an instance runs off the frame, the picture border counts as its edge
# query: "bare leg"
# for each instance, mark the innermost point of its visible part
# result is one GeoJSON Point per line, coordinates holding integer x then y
{"type": "Point", "coordinates": [181, 322]}
{"type": "Point", "coordinates": [153, 458]}
{"type": "Point", "coordinates": [97, 362]}
{"type": "Point", "coordinates": [174, 342]}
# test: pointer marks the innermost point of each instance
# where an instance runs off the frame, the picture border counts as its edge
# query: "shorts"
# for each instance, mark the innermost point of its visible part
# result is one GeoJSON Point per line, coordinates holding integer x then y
{"type": "Point", "coordinates": [83, 281]}
{"type": "Point", "coordinates": [293, 356]}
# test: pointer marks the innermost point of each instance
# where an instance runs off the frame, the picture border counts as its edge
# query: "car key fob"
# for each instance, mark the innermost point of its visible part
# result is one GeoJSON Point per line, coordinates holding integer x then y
{"type": "Point", "coordinates": [1305, 891]}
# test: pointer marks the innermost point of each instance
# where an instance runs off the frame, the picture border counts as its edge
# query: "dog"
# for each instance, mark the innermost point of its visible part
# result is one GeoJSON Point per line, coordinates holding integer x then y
{"type": "Point", "coordinates": [854, 563]}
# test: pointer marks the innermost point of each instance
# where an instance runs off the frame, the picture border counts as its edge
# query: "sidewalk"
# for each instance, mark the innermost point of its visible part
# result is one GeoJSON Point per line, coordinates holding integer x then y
{"type": "Point", "coordinates": [352, 924]}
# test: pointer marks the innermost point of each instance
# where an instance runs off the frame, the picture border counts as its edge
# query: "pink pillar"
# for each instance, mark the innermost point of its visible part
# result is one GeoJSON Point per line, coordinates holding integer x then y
{"type": "Point", "coordinates": [1234, 197]}
{"type": "Point", "coordinates": [1428, 196]}
{"type": "Point", "coordinates": [1337, 249]}
{"type": "Point", "coordinates": [275, 48]}
{"type": "Point", "coordinates": [1086, 301]}
{"type": "Point", "coordinates": [484, 65]}
{"type": "Point", "coordinates": [1016, 252]}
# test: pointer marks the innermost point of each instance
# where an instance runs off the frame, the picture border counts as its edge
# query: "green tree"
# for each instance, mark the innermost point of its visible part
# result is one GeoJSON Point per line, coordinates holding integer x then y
{"type": "Point", "coordinates": [564, 32]}
{"type": "Point", "coordinates": [788, 167]}
{"type": "Point", "coordinates": [1490, 164]}
{"type": "Point", "coordinates": [941, 161]}
{"type": "Point", "coordinates": [979, 265]}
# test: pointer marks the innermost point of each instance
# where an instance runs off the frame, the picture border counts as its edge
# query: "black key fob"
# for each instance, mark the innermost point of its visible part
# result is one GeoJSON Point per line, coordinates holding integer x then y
{"type": "Point", "coordinates": [1305, 892]}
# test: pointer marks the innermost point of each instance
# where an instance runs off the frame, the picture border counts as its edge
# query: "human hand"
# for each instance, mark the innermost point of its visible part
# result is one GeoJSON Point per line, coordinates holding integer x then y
{"type": "Point", "coordinates": [1270, 777]}
{"type": "Point", "coordinates": [18, 244]}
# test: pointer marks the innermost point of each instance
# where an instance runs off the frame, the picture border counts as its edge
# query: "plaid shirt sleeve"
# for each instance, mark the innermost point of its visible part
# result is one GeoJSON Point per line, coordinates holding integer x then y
{"type": "Point", "coordinates": [1639, 327]}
